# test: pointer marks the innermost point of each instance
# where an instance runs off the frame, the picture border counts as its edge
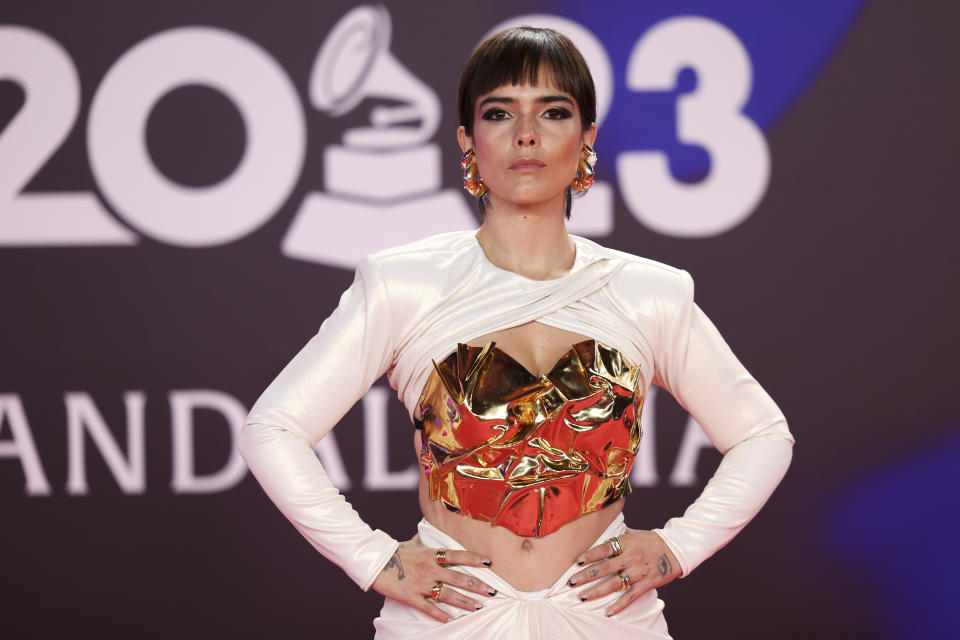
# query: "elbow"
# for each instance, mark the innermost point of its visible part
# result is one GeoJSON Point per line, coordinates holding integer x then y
{"type": "Point", "coordinates": [261, 428]}
{"type": "Point", "coordinates": [246, 439]}
{"type": "Point", "coordinates": [770, 446]}
{"type": "Point", "coordinates": [775, 429]}
{"type": "Point", "coordinates": [782, 431]}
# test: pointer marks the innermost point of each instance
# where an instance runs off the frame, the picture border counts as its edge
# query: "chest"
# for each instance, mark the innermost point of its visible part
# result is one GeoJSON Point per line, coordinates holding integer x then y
{"type": "Point", "coordinates": [534, 346]}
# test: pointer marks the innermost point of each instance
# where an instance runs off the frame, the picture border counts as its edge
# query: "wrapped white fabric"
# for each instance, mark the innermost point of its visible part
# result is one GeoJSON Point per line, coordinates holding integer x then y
{"type": "Point", "coordinates": [554, 612]}
{"type": "Point", "coordinates": [413, 304]}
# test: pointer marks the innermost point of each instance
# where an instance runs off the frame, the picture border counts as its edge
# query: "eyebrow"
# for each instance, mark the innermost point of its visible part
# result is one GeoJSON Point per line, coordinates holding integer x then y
{"type": "Point", "coordinates": [539, 99]}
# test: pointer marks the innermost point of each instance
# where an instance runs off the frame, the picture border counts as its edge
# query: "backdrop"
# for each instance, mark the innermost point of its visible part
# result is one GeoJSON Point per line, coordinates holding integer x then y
{"type": "Point", "coordinates": [186, 187]}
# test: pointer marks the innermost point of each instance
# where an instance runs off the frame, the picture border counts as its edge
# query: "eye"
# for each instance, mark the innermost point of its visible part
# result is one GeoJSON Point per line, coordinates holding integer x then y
{"type": "Point", "coordinates": [557, 113]}
{"type": "Point", "coordinates": [495, 114]}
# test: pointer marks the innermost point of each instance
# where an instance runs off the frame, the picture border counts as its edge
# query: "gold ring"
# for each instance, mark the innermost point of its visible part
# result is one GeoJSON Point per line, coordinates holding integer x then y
{"type": "Point", "coordinates": [624, 581]}
{"type": "Point", "coordinates": [435, 590]}
{"type": "Point", "coordinates": [617, 550]}
{"type": "Point", "coordinates": [441, 557]}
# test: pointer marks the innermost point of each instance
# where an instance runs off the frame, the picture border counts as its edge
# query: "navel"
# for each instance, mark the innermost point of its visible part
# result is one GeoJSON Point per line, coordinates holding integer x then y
{"type": "Point", "coordinates": [526, 545]}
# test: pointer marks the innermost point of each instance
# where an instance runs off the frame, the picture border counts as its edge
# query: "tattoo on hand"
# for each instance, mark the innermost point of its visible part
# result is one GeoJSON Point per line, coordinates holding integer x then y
{"type": "Point", "coordinates": [665, 566]}
{"type": "Point", "coordinates": [593, 573]}
{"type": "Point", "coordinates": [395, 562]}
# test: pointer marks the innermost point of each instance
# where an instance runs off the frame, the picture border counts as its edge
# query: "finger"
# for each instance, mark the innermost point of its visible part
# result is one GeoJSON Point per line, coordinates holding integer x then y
{"type": "Point", "coordinates": [467, 558]}
{"type": "Point", "coordinates": [602, 551]}
{"type": "Point", "coordinates": [596, 571]}
{"type": "Point", "coordinates": [621, 603]}
{"type": "Point", "coordinates": [432, 610]}
{"type": "Point", "coordinates": [608, 585]}
{"type": "Point", "coordinates": [451, 596]}
{"type": "Point", "coordinates": [467, 583]}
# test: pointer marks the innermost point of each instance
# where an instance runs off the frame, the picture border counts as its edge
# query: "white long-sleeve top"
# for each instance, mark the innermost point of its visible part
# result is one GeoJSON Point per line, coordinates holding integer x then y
{"type": "Point", "coordinates": [412, 304]}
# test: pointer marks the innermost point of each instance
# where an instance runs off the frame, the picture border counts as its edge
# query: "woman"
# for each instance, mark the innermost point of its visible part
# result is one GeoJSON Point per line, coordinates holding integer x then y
{"type": "Point", "coordinates": [523, 355]}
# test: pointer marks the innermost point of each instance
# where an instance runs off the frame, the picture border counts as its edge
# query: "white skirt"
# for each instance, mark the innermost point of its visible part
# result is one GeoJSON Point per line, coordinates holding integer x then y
{"type": "Point", "coordinates": [551, 613]}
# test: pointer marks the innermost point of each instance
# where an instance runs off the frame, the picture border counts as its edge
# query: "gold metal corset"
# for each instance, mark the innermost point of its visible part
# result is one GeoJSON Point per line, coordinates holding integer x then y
{"type": "Point", "coordinates": [528, 453]}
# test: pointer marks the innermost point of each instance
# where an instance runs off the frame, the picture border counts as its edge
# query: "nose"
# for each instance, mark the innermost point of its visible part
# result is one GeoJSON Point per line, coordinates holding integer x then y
{"type": "Point", "coordinates": [526, 134]}
{"type": "Point", "coordinates": [526, 140]}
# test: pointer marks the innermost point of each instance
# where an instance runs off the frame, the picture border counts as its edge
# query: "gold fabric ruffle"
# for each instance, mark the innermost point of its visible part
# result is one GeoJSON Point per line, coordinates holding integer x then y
{"type": "Point", "coordinates": [530, 454]}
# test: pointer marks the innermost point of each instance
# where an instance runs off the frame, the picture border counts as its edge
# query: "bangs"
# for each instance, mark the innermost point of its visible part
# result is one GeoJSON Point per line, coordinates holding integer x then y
{"type": "Point", "coordinates": [526, 55]}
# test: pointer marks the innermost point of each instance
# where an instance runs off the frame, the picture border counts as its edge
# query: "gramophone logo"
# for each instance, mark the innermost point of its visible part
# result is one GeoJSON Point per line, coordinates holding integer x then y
{"type": "Point", "coordinates": [382, 185]}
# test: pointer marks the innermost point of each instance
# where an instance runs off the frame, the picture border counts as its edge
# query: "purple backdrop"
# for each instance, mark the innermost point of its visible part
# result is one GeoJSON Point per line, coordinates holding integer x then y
{"type": "Point", "coordinates": [185, 187]}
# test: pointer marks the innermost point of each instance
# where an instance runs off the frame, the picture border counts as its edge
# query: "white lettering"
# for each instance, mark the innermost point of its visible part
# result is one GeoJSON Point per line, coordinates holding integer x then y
{"type": "Point", "coordinates": [182, 406]}
{"type": "Point", "coordinates": [710, 116]}
{"type": "Point", "coordinates": [82, 414]}
{"type": "Point", "coordinates": [49, 79]}
{"type": "Point", "coordinates": [21, 445]}
{"type": "Point", "coordinates": [273, 155]}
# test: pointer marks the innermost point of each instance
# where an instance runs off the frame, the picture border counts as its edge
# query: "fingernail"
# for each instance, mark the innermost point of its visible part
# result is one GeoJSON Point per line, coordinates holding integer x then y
{"type": "Point", "coordinates": [478, 606]}
{"type": "Point", "coordinates": [583, 598]}
{"type": "Point", "coordinates": [492, 592]}
{"type": "Point", "coordinates": [486, 563]}
{"type": "Point", "coordinates": [572, 582]}
{"type": "Point", "coordinates": [580, 561]}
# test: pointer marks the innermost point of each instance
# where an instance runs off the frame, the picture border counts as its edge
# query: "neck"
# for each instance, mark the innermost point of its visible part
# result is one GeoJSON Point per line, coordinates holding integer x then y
{"type": "Point", "coordinates": [530, 240]}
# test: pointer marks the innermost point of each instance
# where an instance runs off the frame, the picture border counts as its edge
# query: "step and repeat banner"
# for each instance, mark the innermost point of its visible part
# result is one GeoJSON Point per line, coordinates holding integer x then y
{"type": "Point", "coordinates": [185, 190]}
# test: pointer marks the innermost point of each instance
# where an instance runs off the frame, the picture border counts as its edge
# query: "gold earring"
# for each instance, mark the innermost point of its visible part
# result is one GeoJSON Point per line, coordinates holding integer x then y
{"type": "Point", "coordinates": [472, 181]}
{"type": "Point", "coordinates": [588, 160]}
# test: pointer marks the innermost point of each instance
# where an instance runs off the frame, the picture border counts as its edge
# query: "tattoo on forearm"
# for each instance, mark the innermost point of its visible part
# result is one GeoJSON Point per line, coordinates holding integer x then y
{"type": "Point", "coordinates": [395, 562]}
{"type": "Point", "coordinates": [665, 566]}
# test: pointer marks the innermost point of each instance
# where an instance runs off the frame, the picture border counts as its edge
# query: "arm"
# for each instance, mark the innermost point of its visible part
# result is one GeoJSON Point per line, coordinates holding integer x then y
{"type": "Point", "coordinates": [697, 367]}
{"type": "Point", "coordinates": [353, 348]}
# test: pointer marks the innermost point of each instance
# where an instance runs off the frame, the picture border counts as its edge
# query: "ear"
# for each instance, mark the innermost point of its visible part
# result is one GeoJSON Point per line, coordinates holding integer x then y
{"type": "Point", "coordinates": [590, 134]}
{"type": "Point", "coordinates": [466, 142]}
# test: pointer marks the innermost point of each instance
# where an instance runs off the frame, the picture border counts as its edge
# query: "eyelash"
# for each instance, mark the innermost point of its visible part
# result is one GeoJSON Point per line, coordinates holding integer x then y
{"type": "Point", "coordinates": [553, 113]}
{"type": "Point", "coordinates": [494, 114]}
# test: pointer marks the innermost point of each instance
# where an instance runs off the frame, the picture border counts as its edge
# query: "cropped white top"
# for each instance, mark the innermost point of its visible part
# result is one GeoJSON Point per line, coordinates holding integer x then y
{"type": "Point", "coordinates": [411, 305]}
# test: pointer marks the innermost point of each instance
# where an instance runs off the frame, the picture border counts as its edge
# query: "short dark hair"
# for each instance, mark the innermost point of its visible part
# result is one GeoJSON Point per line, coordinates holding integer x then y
{"type": "Point", "coordinates": [517, 55]}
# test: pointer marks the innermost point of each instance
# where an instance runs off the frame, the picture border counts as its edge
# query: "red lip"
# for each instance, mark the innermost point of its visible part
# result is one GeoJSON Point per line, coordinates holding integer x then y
{"type": "Point", "coordinates": [526, 164]}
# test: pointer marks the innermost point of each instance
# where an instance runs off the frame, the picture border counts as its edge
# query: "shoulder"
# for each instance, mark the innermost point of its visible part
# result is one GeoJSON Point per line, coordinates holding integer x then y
{"type": "Point", "coordinates": [413, 276]}
{"type": "Point", "coordinates": [438, 247]}
{"type": "Point", "coordinates": [426, 258]}
{"type": "Point", "coordinates": [640, 276]}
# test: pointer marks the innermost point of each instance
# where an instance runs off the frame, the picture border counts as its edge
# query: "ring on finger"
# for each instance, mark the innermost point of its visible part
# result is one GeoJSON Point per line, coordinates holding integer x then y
{"type": "Point", "coordinates": [615, 545]}
{"type": "Point", "coordinates": [441, 557]}
{"type": "Point", "coordinates": [435, 590]}
{"type": "Point", "coordinates": [624, 581]}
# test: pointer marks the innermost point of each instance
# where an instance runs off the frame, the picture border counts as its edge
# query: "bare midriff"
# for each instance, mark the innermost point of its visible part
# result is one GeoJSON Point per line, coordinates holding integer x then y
{"type": "Point", "coordinates": [526, 563]}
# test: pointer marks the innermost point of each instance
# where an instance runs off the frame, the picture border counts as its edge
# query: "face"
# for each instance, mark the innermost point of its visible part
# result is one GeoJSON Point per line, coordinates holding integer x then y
{"type": "Point", "coordinates": [527, 139]}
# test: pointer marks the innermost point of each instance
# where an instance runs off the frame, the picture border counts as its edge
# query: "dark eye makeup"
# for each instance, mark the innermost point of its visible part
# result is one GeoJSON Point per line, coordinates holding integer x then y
{"type": "Point", "coordinates": [553, 113]}
{"type": "Point", "coordinates": [494, 114]}
{"type": "Point", "coordinates": [558, 113]}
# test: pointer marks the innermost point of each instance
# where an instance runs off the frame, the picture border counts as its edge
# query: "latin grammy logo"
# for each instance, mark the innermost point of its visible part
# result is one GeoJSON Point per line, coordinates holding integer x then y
{"type": "Point", "coordinates": [382, 185]}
